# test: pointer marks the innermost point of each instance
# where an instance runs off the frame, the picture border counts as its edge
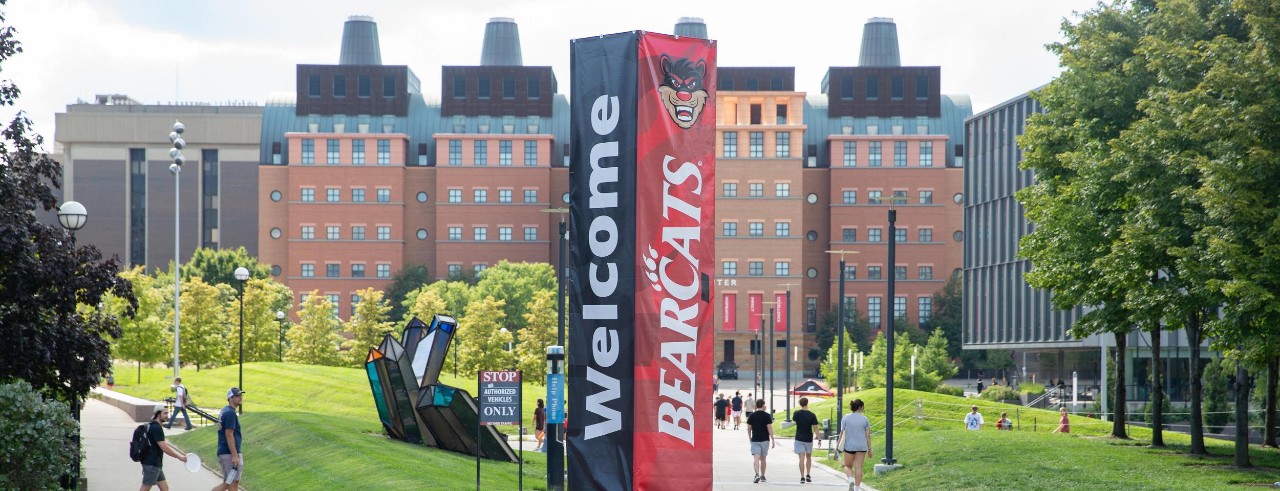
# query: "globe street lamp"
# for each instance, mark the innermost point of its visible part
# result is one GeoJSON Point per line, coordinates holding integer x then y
{"type": "Point", "coordinates": [72, 216]}
{"type": "Point", "coordinates": [840, 337]}
{"type": "Point", "coordinates": [175, 153]}
{"type": "Point", "coordinates": [789, 348]}
{"type": "Point", "coordinates": [242, 275]}
{"type": "Point", "coordinates": [280, 343]}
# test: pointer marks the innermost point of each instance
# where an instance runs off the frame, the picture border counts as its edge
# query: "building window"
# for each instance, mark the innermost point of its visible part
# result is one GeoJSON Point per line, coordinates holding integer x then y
{"type": "Point", "coordinates": [849, 235]}
{"type": "Point", "coordinates": [357, 195]}
{"type": "Point", "coordinates": [782, 144]}
{"type": "Point", "coordinates": [333, 300]}
{"type": "Point", "coordinates": [782, 268]}
{"type": "Point", "coordinates": [873, 88]}
{"type": "Point", "coordinates": [846, 88]}
{"type": "Point", "coordinates": [896, 88]}
{"type": "Point", "coordinates": [364, 86]}
{"type": "Point", "coordinates": [899, 154]}
{"type": "Point", "coordinates": [850, 272]}
{"type": "Point", "coordinates": [339, 85]}
{"type": "Point", "coordinates": [331, 232]}
{"type": "Point", "coordinates": [926, 235]}
{"type": "Point", "coordinates": [922, 87]}
{"type": "Point", "coordinates": [729, 189]}
{"type": "Point", "coordinates": [899, 235]}
{"type": "Point", "coordinates": [479, 233]}
{"type": "Point", "coordinates": [455, 152]}
{"type": "Point", "coordinates": [531, 152]}
{"type": "Point", "coordinates": [873, 311]}
{"type": "Point", "coordinates": [782, 189]}
{"type": "Point", "coordinates": [459, 87]}
{"type": "Point", "coordinates": [357, 271]}
{"type": "Point", "coordinates": [308, 195]}
{"type": "Point", "coordinates": [357, 232]}
{"type": "Point", "coordinates": [504, 234]}
{"type": "Point", "coordinates": [926, 154]}
{"type": "Point", "coordinates": [504, 152]}
{"type": "Point", "coordinates": [479, 268]}
{"type": "Point", "coordinates": [730, 229]}
{"type": "Point", "coordinates": [504, 195]}
{"type": "Point", "coordinates": [535, 88]}
{"type": "Point", "coordinates": [926, 197]}
{"type": "Point", "coordinates": [873, 197]}
{"type": "Point", "coordinates": [924, 311]}
{"type": "Point", "coordinates": [384, 195]}
{"type": "Point", "coordinates": [811, 314]}
{"type": "Point", "coordinates": [729, 268]}
{"type": "Point", "coordinates": [873, 273]}
{"type": "Point", "coordinates": [850, 154]}
{"type": "Point", "coordinates": [755, 229]}
{"type": "Point", "coordinates": [508, 87]}
{"type": "Point", "coordinates": [308, 151]}
{"type": "Point", "coordinates": [899, 272]}
{"type": "Point", "coordinates": [308, 232]}
{"type": "Point", "coordinates": [384, 232]}
{"type": "Point", "coordinates": [782, 229]}
{"type": "Point", "coordinates": [850, 197]}
{"type": "Point", "coordinates": [313, 86]}
{"type": "Point", "coordinates": [531, 196]}
{"type": "Point", "coordinates": [455, 271]}
{"type": "Point", "coordinates": [308, 270]}
{"type": "Point", "coordinates": [357, 152]}
{"type": "Point", "coordinates": [388, 87]}
{"type": "Point", "coordinates": [926, 272]}
{"type": "Point", "coordinates": [332, 270]}
{"type": "Point", "coordinates": [755, 189]}
{"type": "Point", "coordinates": [384, 270]}
{"type": "Point", "coordinates": [384, 152]}
{"type": "Point", "coordinates": [780, 112]}
{"type": "Point", "coordinates": [455, 195]}
{"type": "Point", "coordinates": [755, 268]}
{"type": "Point", "coordinates": [355, 301]}
{"type": "Point", "coordinates": [480, 195]}
{"type": "Point", "coordinates": [899, 308]}
{"type": "Point", "coordinates": [481, 152]}
{"type": "Point", "coordinates": [531, 233]}
{"type": "Point", "coordinates": [455, 233]}
{"type": "Point", "coordinates": [873, 234]}
{"type": "Point", "coordinates": [484, 87]}
{"type": "Point", "coordinates": [332, 195]}
{"type": "Point", "coordinates": [873, 159]}
{"type": "Point", "coordinates": [332, 156]}
{"type": "Point", "coordinates": [756, 144]}
{"type": "Point", "coordinates": [730, 148]}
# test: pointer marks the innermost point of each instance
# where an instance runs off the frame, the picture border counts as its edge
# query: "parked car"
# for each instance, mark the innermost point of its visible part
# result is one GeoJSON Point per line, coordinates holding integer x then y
{"type": "Point", "coordinates": [728, 370]}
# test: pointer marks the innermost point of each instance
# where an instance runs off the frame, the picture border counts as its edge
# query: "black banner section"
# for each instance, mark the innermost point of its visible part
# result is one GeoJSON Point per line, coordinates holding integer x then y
{"type": "Point", "coordinates": [602, 280]}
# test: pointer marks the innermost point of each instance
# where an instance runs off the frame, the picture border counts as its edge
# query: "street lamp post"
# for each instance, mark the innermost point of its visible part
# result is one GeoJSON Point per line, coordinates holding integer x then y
{"type": "Point", "coordinates": [555, 447]}
{"type": "Point", "coordinates": [242, 275]}
{"type": "Point", "coordinates": [175, 153]}
{"type": "Point", "coordinates": [770, 370]}
{"type": "Point", "coordinates": [789, 348]}
{"type": "Point", "coordinates": [888, 330]}
{"type": "Point", "coordinates": [840, 338]}
{"type": "Point", "coordinates": [280, 342]}
{"type": "Point", "coordinates": [72, 216]}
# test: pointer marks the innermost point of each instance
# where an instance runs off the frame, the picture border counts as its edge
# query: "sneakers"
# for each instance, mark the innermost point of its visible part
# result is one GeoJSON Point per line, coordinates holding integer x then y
{"type": "Point", "coordinates": [801, 479]}
{"type": "Point", "coordinates": [808, 478]}
{"type": "Point", "coordinates": [762, 479]}
{"type": "Point", "coordinates": [757, 481]}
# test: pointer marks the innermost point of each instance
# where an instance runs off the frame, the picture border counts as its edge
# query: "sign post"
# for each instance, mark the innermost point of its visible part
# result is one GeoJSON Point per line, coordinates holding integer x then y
{"type": "Point", "coordinates": [500, 402]}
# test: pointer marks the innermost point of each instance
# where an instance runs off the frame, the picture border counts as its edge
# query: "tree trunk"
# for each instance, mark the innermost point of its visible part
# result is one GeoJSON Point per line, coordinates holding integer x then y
{"type": "Point", "coordinates": [1197, 384]}
{"type": "Point", "coordinates": [1118, 426]}
{"type": "Point", "coordinates": [1157, 390]}
{"type": "Point", "coordinates": [1273, 373]}
{"type": "Point", "coordinates": [139, 372]}
{"type": "Point", "coordinates": [1242, 416]}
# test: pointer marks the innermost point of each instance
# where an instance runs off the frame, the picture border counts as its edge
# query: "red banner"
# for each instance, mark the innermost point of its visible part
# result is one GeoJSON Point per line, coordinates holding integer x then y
{"type": "Point", "coordinates": [780, 312]}
{"type": "Point", "coordinates": [675, 216]}
{"type": "Point", "coordinates": [730, 314]}
{"type": "Point", "coordinates": [755, 313]}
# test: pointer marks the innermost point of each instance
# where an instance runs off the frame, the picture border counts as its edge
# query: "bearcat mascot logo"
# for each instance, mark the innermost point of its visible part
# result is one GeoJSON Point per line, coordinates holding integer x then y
{"type": "Point", "coordinates": [682, 91]}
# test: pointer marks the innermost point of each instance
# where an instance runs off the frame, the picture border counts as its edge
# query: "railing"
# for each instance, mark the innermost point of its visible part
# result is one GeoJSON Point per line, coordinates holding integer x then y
{"type": "Point", "coordinates": [201, 415]}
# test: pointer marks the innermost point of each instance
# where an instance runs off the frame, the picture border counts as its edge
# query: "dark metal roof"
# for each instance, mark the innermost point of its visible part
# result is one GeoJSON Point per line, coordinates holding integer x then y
{"type": "Point", "coordinates": [501, 43]}
{"type": "Point", "coordinates": [691, 27]}
{"type": "Point", "coordinates": [360, 42]}
{"type": "Point", "coordinates": [879, 43]}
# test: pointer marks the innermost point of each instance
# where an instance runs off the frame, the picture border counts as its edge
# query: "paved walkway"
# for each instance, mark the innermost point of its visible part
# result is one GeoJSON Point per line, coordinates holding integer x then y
{"type": "Point", "coordinates": [733, 469]}
{"type": "Point", "coordinates": [105, 434]}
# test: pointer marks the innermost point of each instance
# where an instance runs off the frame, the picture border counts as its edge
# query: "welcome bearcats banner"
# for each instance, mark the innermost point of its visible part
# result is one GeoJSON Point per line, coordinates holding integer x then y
{"type": "Point", "coordinates": [642, 212]}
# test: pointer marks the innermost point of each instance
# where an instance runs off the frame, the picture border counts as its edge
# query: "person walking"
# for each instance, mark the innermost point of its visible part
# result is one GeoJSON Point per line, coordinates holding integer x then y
{"type": "Point", "coordinates": [722, 411]}
{"type": "Point", "coordinates": [180, 402]}
{"type": "Point", "coordinates": [1064, 424]}
{"type": "Point", "coordinates": [973, 420]}
{"type": "Point", "coordinates": [736, 406]}
{"type": "Point", "coordinates": [153, 461]}
{"type": "Point", "coordinates": [806, 425]}
{"type": "Point", "coordinates": [760, 432]}
{"type": "Point", "coordinates": [540, 424]}
{"type": "Point", "coordinates": [1003, 423]}
{"type": "Point", "coordinates": [229, 455]}
{"type": "Point", "coordinates": [855, 443]}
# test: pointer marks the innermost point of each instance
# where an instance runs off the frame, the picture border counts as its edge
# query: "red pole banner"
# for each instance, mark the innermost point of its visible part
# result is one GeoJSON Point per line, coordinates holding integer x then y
{"type": "Point", "coordinates": [730, 312]}
{"type": "Point", "coordinates": [755, 318]}
{"type": "Point", "coordinates": [780, 312]}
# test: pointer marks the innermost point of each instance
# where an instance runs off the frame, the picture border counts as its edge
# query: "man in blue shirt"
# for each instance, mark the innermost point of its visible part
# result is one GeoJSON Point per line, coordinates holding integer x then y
{"type": "Point", "coordinates": [229, 442]}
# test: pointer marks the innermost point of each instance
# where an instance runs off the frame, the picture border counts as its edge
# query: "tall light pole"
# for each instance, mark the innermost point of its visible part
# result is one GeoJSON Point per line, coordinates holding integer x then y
{"type": "Point", "coordinates": [771, 349]}
{"type": "Point", "coordinates": [175, 153]}
{"type": "Point", "coordinates": [840, 338]}
{"type": "Point", "coordinates": [890, 321]}
{"type": "Point", "coordinates": [280, 343]}
{"type": "Point", "coordinates": [72, 216]}
{"type": "Point", "coordinates": [242, 275]}
{"type": "Point", "coordinates": [789, 348]}
{"type": "Point", "coordinates": [555, 447]}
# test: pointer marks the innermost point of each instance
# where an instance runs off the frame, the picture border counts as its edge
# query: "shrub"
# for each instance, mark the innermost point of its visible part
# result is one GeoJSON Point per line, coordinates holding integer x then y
{"type": "Point", "coordinates": [950, 390]}
{"type": "Point", "coordinates": [1031, 388]}
{"type": "Point", "coordinates": [999, 393]}
{"type": "Point", "coordinates": [38, 444]}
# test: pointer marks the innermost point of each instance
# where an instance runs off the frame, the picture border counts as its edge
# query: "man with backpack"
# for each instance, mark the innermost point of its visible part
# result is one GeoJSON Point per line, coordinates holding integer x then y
{"type": "Point", "coordinates": [180, 403]}
{"type": "Point", "coordinates": [148, 447]}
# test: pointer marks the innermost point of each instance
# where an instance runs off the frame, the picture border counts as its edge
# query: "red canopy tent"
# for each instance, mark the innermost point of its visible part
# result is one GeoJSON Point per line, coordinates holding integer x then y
{"type": "Point", "coordinates": [811, 387]}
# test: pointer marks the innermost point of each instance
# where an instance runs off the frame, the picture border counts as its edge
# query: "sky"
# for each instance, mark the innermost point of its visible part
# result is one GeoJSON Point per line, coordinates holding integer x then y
{"type": "Point", "coordinates": [244, 50]}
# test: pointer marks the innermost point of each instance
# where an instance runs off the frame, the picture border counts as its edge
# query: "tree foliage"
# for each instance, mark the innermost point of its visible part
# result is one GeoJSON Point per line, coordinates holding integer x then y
{"type": "Point", "coordinates": [146, 336]}
{"type": "Point", "coordinates": [405, 281]}
{"type": "Point", "coordinates": [218, 266]}
{"type": "Point", "coordinates": [481, 342]}
{"type": "Point", "coordinates": [39, 439]}
{"type": "Point", "coordinates": [203, 335]}
{"type": "Point", "coordinates": [455, 294]}
{"type": "Point", "coordinates": [540, 322]}
{"type": "Point", "coordinates": [314, 340]}
{"type": "Point", "coordinates": [948, 313]}
{"type": "Point", "coordinates": [932, 364]}
{"type": "Point", "coordinates": [515, 284]}
{"type": "Point", "coordinates": [367, 326]}
{"type": "Point", "coordinates": [834, 359]}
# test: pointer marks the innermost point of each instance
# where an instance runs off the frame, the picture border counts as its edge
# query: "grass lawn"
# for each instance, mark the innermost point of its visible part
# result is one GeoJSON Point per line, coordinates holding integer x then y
{"type": "Point", "coordinates": [311, 427]}
{"type": "Point", "coordinates": [937, 453]}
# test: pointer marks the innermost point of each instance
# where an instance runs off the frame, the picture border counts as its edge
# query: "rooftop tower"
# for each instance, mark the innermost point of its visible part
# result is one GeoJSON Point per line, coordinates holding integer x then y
{"type": "Point", "coordinates": [501, 43]}
{"type": "Point", "coordinates": [879, 43]}
{"type": "Point", "coordinates": [691, 27]}
{"type": "Point", "coordinates": [360, 42]}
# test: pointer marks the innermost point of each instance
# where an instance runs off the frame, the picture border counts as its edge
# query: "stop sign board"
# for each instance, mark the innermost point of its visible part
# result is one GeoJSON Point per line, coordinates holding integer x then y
{"type": "Point", "coordinates": [499, 397]}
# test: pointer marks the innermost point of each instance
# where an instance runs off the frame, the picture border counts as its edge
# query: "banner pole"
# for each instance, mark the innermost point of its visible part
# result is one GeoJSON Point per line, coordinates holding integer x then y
{"type": "Point", "coordinates": [520, 434]}
{"type": "Point", "coordinates": [478, 416]}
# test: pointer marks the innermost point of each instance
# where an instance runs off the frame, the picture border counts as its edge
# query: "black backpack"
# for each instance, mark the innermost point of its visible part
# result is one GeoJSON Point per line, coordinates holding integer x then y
{"type": "Point", "coordinates": [140, 445]}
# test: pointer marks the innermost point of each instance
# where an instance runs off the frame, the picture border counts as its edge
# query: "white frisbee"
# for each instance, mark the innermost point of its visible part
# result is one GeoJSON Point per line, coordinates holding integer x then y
{"type": "Point", "coordinates": [193, 463]}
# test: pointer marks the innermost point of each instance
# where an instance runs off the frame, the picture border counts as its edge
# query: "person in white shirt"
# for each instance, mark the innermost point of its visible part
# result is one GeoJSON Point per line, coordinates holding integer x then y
{"type": "Point", "coordinates": [855, 443]}
{"type": "Point", "coordinates": [973, 420]}
{"type": "Point", "coordinates": [180, 404]}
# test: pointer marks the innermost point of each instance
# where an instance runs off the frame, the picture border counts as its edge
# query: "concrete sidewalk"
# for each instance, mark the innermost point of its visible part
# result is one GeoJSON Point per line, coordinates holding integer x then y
{"type": "Point", "coordinates": [105, 434]}
{"type": "Point", "coordinates": [733, 470]}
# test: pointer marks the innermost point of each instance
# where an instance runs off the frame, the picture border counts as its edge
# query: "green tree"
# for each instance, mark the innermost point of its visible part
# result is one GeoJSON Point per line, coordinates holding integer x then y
{"type": "Point", "coordinates": [482, 344]}
{"type": "Point", "coordinates": [203, 337]}
{"type": "Point", "coordinates": [935, 357]}
{"type": "Point", "coordinates": [540, 320]}
{"type": "Point", "coordinates": [218, 266]}
{"type": "Point", "coordinates": [948, 314]}
{"type": "Point", "coordinates": [873, 371]}
{"type": "Point", "coordinates": [314, 340]}
{"type": "Point", "coordinates": [456, 295]}
{"type": "Point", "coordinates": [411, 277]}
{"type": "Point", "coordinates": [368, 326]}
{"type": "Point", "coordinates": [515, 284]}
{"type": "Point", "coordinates": [262, 299]}
{"type": "Point", "coordinates": [146, 336]}
{"type": "Point", "coordinates": [859, 330]}
{"type": "Point", "coordinates": [39, 439]}
{"type": "Point", "coordinates": [424, 305]}
{"type": "Point", "coordinates": [834, 359]}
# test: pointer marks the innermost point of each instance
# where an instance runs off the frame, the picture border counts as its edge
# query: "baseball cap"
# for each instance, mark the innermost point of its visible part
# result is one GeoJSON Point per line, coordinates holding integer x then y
{"type": "Point", "coordinates": [235, 391]}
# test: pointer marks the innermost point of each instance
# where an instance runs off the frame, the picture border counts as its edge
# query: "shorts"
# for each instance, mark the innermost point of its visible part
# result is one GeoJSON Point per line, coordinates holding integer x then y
{"type": "Point", "coordinates": [225, 460]}
{"type": "Point", "coordinates": [760, 448]}
{"type": "Point", "coordinates": [804, 447]}
{"type": "Point", "coordinates": [854, 452]}
{"type": "Point", "coordinates": [737, 414]}
{"type": "Point", "coordinates": [719, 416]}
{"type": "Point", "coordinates": [152, 474]}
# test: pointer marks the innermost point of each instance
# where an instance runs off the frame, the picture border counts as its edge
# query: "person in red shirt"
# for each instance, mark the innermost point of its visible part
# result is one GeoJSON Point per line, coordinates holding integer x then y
{"type": "Point", "coordinates": [1064, 424]}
